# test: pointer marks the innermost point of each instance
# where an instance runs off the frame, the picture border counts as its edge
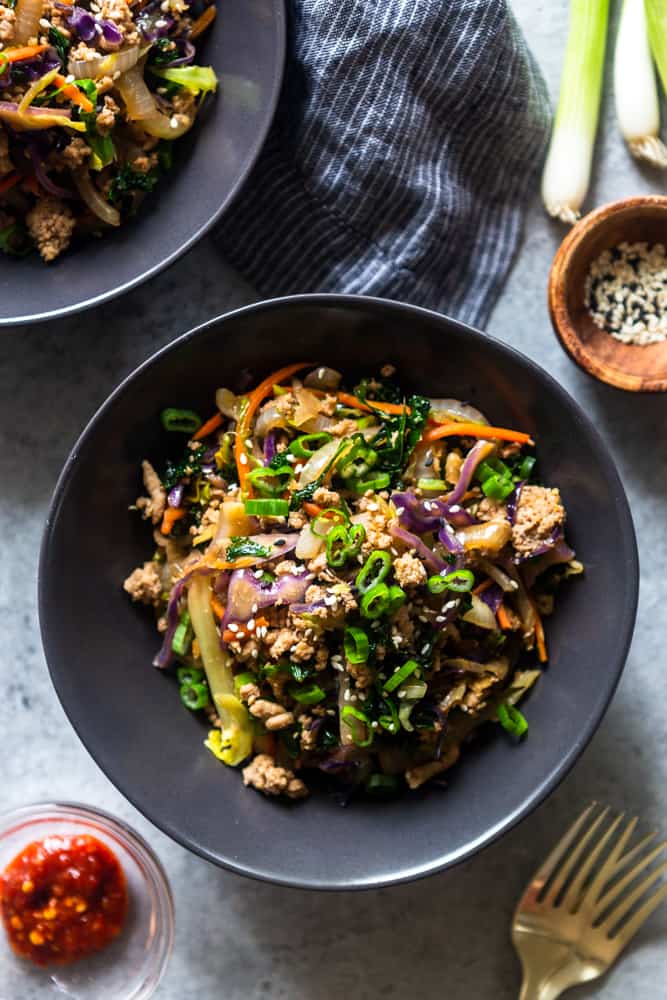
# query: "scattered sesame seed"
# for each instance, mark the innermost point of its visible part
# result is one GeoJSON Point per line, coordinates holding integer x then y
{"type": "Point", "coordinates": [173, 123]}
{"type": "Point", "coordinates": [44, 22]}
{"type": "Point", "coordinates": [248, 442]}
{"type": "Point", "coordinates": [425, 648]}
{"type": "Point", "coordinates": [254, 609]}
{"type": "Point", "coordinates": [258, 574]}
{"type": "Point", "coordinates": [251, 624]}
{"type": "Point", "coordinates": [298, 468]}
{"type": "Point", "coordinates": [69, 78]}
{"type": "Point", "coordinates": [233, 627]}
{"type": "Point", "coordinates": [254, 654]}
{"type": "Point", "coordinates": [440, 618]}
{"type": "Point", "coordinates": [400, 510]}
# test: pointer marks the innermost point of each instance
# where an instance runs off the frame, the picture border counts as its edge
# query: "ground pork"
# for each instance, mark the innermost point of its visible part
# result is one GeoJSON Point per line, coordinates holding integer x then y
{"type": "Point", "coordinates": [308, 735]}
{"type": "Point", "coordinates": [144, 584]}
{"type": "Point", "coordinates": [343, 427]}
{"type": "Point", "coordinates": [106, 119]}
{"type": "Point", "coordinates": [7, 19]}
{"type": "Point", "coordinates": [491, 510]}
{"type": "Point", "coordinates": [273, 716]}
{"type": "Point", "coordinates": [76, 153]}
{"type": "Point", "coordinates": [154, 504]}
{"type": "Point", "coordinates": [409, 570]}
{"type": "Point", "coordinates": [297, 520]}
{"type": "Point", "coordinates": [264, 774]}
{"type": "Point", "coordinates": [144, 164]}
{"type": "Point", "coordinates": [539, 513]}
{"type": "Point", "coordinates": [361, 673]}
{"type": "Point", "coordinates": [119, 12]}
{"type": "Point", "coordinates": [57, 16]}
{"type": "Point", "coordinates": [325, 497]}
{"type": "Point", "coordinates": [6, 165]}
{"type": "Point", "coordinates": [286, 567]}
{"type": "Point", "coordinates": [51, 224]}
{"type": "Point", "coordinates": [84, 53]}
{"type": "Point", "coordinates": [453, 464]}
{"type": "Point", "coordinates": [403, 625]}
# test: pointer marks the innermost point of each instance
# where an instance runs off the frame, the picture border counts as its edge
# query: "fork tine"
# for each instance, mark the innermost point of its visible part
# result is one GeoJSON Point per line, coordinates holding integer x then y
{"type": "Point", "coordinates": [626, 904]}
{"type": "Point", "coordinates": [572, 895]}
{"type": "Point", "coordinates": [550, 864]}
{"type": "Point", "coordinates": [568, 866]}
{"type": "Point", "coordinates": [626, 934]}
{"type": "Point", "coordinates": [611, 864]}
{"type": "Point", "coordinates": [610, 895]}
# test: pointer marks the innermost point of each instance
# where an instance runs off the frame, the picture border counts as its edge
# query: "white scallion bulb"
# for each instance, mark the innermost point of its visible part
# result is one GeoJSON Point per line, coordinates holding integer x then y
{"type": "Point", "coordinates": [568, 166]}
{"type": "Point", "coordinates": [635, 89]}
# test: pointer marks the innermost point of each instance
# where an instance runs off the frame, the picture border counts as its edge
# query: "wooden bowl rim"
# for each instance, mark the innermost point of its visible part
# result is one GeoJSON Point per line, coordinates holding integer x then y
{"type": "Point", "coordinates": [565, 330]}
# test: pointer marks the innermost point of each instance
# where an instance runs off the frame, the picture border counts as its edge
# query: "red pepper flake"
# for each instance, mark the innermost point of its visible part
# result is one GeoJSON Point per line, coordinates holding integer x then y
{"type": "Point", "coordinates": [63, 898]}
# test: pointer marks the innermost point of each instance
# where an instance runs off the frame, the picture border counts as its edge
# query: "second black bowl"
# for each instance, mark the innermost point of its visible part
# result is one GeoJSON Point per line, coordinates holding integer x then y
{"type": "Point", "coordinates": [246, 47]}
{"type": "Point", "coordinates": [99, 647]}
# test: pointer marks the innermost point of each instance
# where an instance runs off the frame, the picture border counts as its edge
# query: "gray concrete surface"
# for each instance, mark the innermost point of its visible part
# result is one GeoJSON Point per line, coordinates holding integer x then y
{"type": "Point", "coordinates": [238, 940]}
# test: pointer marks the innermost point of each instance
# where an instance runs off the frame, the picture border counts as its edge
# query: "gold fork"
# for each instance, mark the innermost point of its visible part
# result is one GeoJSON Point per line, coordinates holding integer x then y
{"type": "Point", "coordinates": [575, 919]}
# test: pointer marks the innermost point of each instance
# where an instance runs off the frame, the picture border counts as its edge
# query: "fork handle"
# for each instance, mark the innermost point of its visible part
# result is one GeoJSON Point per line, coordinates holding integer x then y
{"type": "Point", "coordinates": [534, 988]}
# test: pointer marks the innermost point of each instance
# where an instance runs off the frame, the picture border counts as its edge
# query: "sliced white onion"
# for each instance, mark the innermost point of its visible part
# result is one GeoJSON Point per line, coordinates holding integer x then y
{"type": "Point", "coordinates": [268, 418]}
{"type": "Point", "coordinates": [308, 544]}
{"type": "Point", "coordinates": [505, 582]}
{"type": "Point", "coordinates": [444, 410]}
{"type": "Point", "coordinates": [139, 101]}
{"type": "Point", "coordinates": [481, 614]}
{"type": "Point", "coordinates": [318, 462]}
{"type": "Point", "coordinates": [115, 62]}
{"type": "Point", "coordinates": [95, 200]}
{"type": "Point", "coordinates": [26, 25]}
{"type": "Point", "coordinates": [164, 127]}
{"type": "Point", "coordinates": [491, 536]}
{"type": "Point", "coordinates": [228, 403]}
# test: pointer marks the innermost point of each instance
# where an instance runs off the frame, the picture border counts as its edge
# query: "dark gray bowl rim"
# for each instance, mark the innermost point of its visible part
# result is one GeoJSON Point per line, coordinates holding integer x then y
{"type": "Point", "coordinates": [162, 265]}
{"type": "Point", "coordinates": [625, 625]}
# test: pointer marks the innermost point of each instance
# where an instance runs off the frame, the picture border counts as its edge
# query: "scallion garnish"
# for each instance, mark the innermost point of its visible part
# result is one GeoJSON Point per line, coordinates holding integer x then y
{"type": "Point", "coordinates": [267, 508]}
{"type": "Point", "coordinates": [306, 445]}
{"type": "Point", "coordinates": [375, 601]}
{"type": "Point", "coordinates": [195, 696]}
{"type": "Point", "coordinates": [350, 712]}
{"type": "Point", "coordinates": [307, 694]}
{"type": "Point", "coordinates": [511, 719]}
{"type": "Point", "coordinates": [459, 580]}
{"type": "Point", "coordinates": [180, 421]}
{"type": "Point", "coordinates": [356, 645]}
{"type": "Point", "coordinates": [400, 675]}
{"type": "Point", "coordinates": [373, 571]}
{"type": "Point", "coordinates": [180, 644]}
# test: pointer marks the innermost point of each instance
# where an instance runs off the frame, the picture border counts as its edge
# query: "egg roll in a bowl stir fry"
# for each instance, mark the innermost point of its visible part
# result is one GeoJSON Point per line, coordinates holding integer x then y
{"type": "Point", "coordinates": [92, 96]}
{"type": "Point", "coordinates": [349, 583]}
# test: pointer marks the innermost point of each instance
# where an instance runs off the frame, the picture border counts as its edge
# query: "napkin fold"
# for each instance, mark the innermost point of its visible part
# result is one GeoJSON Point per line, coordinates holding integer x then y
{"type": "Point", "coordinates": [404, 150]}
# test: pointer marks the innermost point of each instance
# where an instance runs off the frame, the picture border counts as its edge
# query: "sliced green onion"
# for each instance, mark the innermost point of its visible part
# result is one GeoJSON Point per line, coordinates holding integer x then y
{"type": "Point", "coordinates": [337, 541]}
{"type": "Point", "coordinates": [181, 421]}
{"type": "Point", "coordinates": [182, 640]}
{"type": "Point", "coordinates": [355, 644]}
{"type": "Point", "coordinates": [328, 518]}
{"type": "Point", "coordinates": [195, 696]}
{"type": "Point", "coordinates": [358, 461]}
{"type": "Point", "coordinates": [195, 79]}
{"type": "Point", "coordinates": [397, 598]}
{"type": "Point", "coordinates": [568, 166]}
{"type": "Point", "coordinates": [306, 445]}
{"type": "Point", "coordinates": [382, 784]}
{"type": "Point", "coordinates": [526, 467]}
{"type": "Point", "coordinates": [432, 485]}
{"type": "Point", "coordinates": [271, 481]}
{"type": "Point", "coordinates": [306, 694]}
{"type": "Point", "coordinates": [364, 422]}
{"type": "Point", "coordinates": [379, 482]}
{"type": "Point", "coordinates": [635, 91]}
{"type": "Point", "coordinates": [459, 580]}
{"type": "Point", "coordinates": [375, 601]}
{"type": "Point", "coordinates": [373, 571]}
{"type": "Point", "coordinates": [400, 675]}
{"type": "Point", "coordinates": [267, 508]}
{"type": "Point", "coordinates": [511, 719]}
{"type": "Point", "coordinates": [390, 720]}
{"type": "Point", "coordinates": [350, 712]}
{"type": "Point", "coordinates": [497, 487]}
{"type": "Point", "coordinates": [241, 679]}
{"type": "Point", "coordinates": [189, 675]}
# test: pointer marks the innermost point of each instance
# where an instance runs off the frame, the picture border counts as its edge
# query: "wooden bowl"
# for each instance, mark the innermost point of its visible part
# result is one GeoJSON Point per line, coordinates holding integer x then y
{"type": "Point", "coordinates": [627, 366]}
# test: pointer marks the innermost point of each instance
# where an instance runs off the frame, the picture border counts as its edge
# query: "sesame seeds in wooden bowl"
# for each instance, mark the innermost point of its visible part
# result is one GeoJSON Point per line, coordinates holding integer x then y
{"type": "Point", "coordinates": [608, 293]}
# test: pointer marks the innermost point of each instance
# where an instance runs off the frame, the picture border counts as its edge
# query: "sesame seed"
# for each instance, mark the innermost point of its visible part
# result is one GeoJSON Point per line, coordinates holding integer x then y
{"type": "Point", "coordinates": [440, 618]}
{"type": "Point", "coordinates": [298, 468]}
{"type": "Point", "coordinates": [254, 607]}
{"type": "Point", "coordinates": [173, 123]}
{"type": "Point", "coordinates": [248, 442]}
{"type": "Point", "coordinates": [254, 654]}
{"type": "Point", "coordinates": [44, 22]}
{"type": "Point", "coordinates": [233, 627]}
{"type": "Point", "coordinates": [69, 78]}
{"type": "Point", "coordinates": [251, 624]}
{"type": "Point", "coordinates": [400, 510]}
{"type": "Point", "coordinates": [243, 459]}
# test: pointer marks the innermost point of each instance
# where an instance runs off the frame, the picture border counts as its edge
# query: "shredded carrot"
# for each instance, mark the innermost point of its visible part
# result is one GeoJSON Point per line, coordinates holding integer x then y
{"type": "Point", "coordinates": [464, 429]}
{"type": "Point", "coordinates": [256, 397]}
{"type": "Point", "coordinates": [23, 52]}
{"type": "Point", "coordinates": [170, 517]}
{"type": "Point", "coordinates": [218, 608]}
{"type": "Point", "coordinates": [195, 649]}
{"type": "Point", "coordinates": [357, 404]}
{"type": "Point", "coordinates": [503, 618]}
{"type": "Point", "coordinates": [208, 428]}
{"type": "Point", "coordinates": [312, 509]}
{"type": "Point", "coordinates": [480, 588]}
{"type": "Point", "coordinates": [72, 93]}
{"type": "Point", "coordinates": [542, 654]}
{"type": "Point", "coordinates": [9, 181]}
{"type": "Point", "coordinates": [203, 21]}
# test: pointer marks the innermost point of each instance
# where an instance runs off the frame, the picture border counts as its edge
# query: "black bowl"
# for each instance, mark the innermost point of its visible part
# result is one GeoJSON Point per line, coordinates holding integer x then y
{"type": "Point", "coordinates": [246, 47]}
{"type": "Point", "coordinates": [99, 647]}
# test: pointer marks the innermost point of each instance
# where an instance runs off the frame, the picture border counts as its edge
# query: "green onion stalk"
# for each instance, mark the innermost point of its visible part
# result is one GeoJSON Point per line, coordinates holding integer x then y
{"type": "Point", "coordinates": [568, 166]}
{"type": "Point", "coordinates": [635, 90]}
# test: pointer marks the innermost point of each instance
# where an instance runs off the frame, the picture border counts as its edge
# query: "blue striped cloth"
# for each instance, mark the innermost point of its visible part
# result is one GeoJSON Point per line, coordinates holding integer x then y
{"type": "Point", "coordinates": [405, 147]}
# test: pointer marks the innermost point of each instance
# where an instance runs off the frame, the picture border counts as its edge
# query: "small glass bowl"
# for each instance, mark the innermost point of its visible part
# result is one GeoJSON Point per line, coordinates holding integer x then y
{"type": "Point", "coordinates": [132, 966]}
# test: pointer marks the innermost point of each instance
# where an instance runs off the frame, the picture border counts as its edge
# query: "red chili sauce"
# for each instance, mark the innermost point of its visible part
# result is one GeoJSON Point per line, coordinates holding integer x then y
{"type": "Point", "coordinates": [62, 898]}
